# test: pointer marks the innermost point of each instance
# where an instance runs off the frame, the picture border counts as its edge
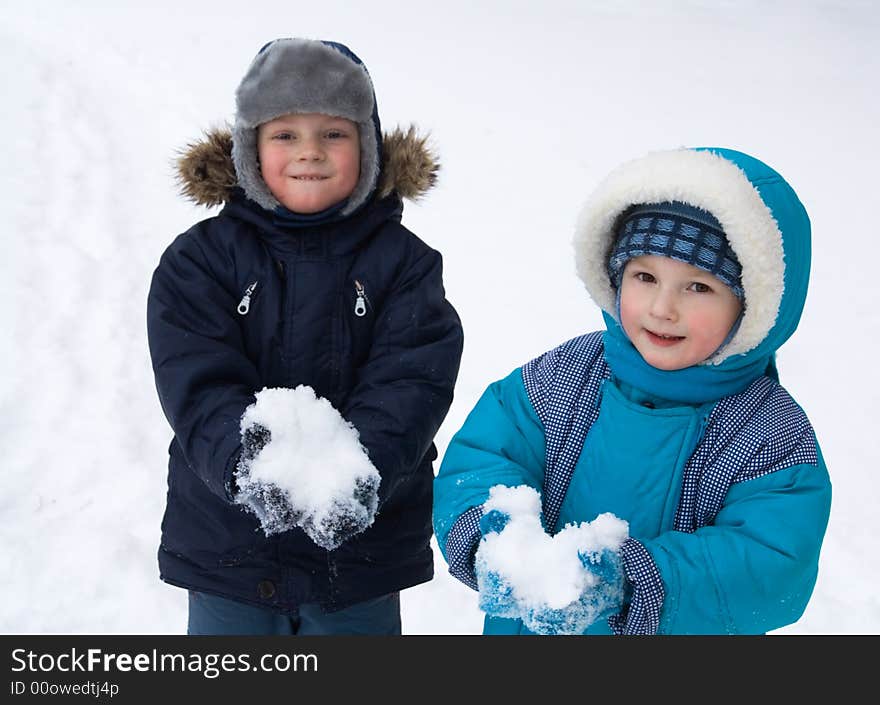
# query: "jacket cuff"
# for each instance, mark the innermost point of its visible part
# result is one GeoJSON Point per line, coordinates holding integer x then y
{"type": "Point", "coordinates": [229, 482]}
{"type": "Point", "coordinates": [642, 615]}
{"type": "Point", "coordinates": [461, 545]}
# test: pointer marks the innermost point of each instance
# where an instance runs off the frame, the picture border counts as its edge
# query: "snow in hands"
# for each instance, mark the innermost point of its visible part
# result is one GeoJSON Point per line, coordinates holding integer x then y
{"type": "Point", "coordinates": [557, 584]}
{"type": "Point", "coordinates": [302, 465]}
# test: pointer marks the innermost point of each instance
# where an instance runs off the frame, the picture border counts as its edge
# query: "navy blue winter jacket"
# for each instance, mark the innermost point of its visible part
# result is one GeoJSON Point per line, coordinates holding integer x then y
{"type": "Point", "coordinates": [390, 372]}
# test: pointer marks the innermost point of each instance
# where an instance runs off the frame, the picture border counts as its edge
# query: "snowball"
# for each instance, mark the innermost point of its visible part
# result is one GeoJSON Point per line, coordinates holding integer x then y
{"type": "Point", "coordinates": [315, 459]}
{"type": "Point", "coordinates": [549, 585]}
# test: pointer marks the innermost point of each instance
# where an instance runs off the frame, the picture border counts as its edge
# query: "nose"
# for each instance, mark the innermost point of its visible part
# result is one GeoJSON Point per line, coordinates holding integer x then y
{"type": "Point", "coordinates": [663, 305]}
{"type": "Point", "coordinates": [310, 150]}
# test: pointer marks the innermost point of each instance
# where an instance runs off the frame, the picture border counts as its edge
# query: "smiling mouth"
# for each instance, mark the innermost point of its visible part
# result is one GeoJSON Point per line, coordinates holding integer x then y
{"type": "Point", "coordinates": [663, 340]}
{"type": "Point", "coordinates": [309, 178]}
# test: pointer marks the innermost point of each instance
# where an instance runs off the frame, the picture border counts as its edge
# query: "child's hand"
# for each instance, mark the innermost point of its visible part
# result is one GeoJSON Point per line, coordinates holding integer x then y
{"type": "Point", "coordinates": [496, 593]}
{"type": "Point", "coordinates": [253, 440]}
{"type": "Point", "coordinates": [345, 519]}
{"type": "Point", "coordinates": [606, 565]}
{"type": "Point", "coordinates": [271, 505]}
{"type": "Point", "coordinates": [493, 521]}
{"type": "Point", "coordinates": [302, 466]}
{"type": "Point", "coordinates": [328, 527]}
{"type": "Point", "coordinates": [601, 597]}
{"type": "Point", "coordinates": [556, 584]}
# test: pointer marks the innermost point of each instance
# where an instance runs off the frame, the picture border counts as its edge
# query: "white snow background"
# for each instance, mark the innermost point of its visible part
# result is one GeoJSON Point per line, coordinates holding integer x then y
{"type": "Point", "coordinates": [529, 105]}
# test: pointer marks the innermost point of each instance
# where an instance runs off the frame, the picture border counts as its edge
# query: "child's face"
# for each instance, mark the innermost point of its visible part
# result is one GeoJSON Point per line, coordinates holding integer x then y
{"type": "Point", "coordinates": [675, 314]}
{"type": "Point", "coordinates": [309, 161]}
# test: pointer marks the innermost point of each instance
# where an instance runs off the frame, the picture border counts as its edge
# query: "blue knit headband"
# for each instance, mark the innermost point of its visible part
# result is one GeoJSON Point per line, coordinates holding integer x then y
{"type": "Point", "coordinates": [680, 231]}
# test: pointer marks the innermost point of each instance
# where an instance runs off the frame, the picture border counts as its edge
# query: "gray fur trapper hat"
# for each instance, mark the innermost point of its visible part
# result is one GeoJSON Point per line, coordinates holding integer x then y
{"type": "Point", "coordinates": [305, 76]}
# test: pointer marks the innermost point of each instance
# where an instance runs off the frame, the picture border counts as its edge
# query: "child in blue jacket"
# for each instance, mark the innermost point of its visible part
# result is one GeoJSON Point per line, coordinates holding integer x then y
{"type": "Point", "coordinates": [672, 420]}
{"type": "Point", "coordinates": [305, 356]}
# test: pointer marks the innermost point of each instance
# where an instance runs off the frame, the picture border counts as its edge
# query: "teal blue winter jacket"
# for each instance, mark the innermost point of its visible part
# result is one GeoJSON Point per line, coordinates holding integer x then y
{"type": "Point", "coordinates": [715, 467]}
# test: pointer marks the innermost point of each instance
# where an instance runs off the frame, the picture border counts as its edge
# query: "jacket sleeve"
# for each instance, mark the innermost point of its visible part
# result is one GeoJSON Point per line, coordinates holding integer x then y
{"type": "Point", "coordinates": [404, 389]}
{"type": "Point", "coordinates": [754, 568]}
{"type": "Point", "coordinates": [501, 443]}
{"type": "Point", "coordinates": [203, 377]}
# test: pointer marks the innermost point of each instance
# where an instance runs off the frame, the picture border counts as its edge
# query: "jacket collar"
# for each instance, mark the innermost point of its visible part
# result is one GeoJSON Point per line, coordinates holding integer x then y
{"type": "Point", "coordinates": [337, 236]}
{"type": "Point", "coordinates": [698, 384]}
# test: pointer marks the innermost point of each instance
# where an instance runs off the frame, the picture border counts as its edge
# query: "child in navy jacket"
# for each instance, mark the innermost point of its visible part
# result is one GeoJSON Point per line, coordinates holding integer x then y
{"type": "Point", "coordinates": [303, 301]}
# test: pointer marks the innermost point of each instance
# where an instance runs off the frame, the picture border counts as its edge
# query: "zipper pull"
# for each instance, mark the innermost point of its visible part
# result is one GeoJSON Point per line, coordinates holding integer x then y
{"type": "Point", "coordinates": [360, 305]}
{"type": "Point", "coordinates": [245, 304]}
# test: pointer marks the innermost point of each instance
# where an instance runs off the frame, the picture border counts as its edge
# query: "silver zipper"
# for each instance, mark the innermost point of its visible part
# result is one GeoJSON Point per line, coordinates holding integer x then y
{"type": "Point", "coordinates": [245, 304]}
{"type": "Point", "coordinates": [360, 304]}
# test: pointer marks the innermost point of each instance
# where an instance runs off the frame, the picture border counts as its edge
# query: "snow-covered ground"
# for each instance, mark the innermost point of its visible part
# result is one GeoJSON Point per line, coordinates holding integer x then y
{"type": "Point", "coordinates": [529, 105]}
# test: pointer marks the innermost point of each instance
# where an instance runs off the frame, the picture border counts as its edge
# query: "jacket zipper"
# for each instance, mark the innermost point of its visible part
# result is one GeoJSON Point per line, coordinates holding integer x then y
{"type": "Point", "coordinates": [245, 304]}
{"type": "Point", "coordinates": [361, 302]}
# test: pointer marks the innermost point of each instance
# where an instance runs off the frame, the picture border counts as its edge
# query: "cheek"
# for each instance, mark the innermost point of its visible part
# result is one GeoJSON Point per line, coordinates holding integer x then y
{"type": "Point", "coordinates": [266, 159]}
{"type": "Point", "coordinates": [353, 166]}
{"type": "Point", "coordinates": [709, 326]}
{"type": "Point", "coordinates": [629, 311]}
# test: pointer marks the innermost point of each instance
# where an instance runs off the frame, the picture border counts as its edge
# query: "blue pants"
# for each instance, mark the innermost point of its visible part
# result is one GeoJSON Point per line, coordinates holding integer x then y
{"type": "Point", "coordinates": [209, 614]}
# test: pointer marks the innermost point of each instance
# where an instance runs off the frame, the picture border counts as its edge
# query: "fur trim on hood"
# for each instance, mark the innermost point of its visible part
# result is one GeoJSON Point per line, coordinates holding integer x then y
{"type": "Point", "coordinates": [206, 174]}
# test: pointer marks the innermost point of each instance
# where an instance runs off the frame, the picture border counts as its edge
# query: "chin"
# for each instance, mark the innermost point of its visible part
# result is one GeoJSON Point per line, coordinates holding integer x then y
{"type": "Point", "coordinates": [660, 363]}
{"type": "Point", "coordinates": [302, 208]}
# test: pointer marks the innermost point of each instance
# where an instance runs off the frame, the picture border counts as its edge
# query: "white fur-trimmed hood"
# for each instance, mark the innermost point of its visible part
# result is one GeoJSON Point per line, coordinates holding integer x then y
{"type": "Point", "coordinates": [709, 181]}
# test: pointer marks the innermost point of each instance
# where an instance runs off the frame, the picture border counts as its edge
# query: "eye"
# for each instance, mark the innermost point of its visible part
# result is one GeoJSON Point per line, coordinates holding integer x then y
{"type": "Point", "coordinates": [700, 288]}
{"type": "Point", "coordinates": [336, 134]}
{"type": "Point", "coordinates": [282, 136]}
{"type": "Point", "coordinates": [645, 277]}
